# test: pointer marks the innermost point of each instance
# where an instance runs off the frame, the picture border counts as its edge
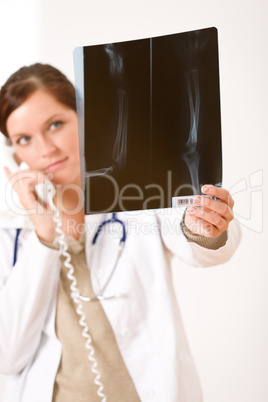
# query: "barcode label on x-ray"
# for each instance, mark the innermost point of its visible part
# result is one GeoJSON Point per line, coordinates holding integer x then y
{"type": "Point", "coordinates": [188, 201]}
{"type": "Point", "coordinates": [183, 201]}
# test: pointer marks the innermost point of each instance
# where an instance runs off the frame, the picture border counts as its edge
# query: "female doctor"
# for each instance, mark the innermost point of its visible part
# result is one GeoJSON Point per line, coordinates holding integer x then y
{"type": "Point", "coordinates": [134, 347]}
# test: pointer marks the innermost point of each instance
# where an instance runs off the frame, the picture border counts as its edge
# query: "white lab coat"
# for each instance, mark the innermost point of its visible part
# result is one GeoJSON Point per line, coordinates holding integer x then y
{"type": "Point", "coordinates": [145, 318]}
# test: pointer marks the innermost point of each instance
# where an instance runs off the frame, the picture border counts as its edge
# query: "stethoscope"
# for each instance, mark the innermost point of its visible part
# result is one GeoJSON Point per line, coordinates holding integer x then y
{"type": "Point", "coordinates": [121, 245]}
{"type": "Point", "coordinates": [16, 246]}
{"type": "Point", "coordinates": [113, 219]}
{"type": "Point", "coordinates": [77, 297]}
{"type": "Point", "coordinates": [99, 296]}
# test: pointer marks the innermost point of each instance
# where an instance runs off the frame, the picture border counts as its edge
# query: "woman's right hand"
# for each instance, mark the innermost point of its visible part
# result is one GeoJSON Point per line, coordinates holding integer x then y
{"type": "Point", "coordinates": [24, 182]}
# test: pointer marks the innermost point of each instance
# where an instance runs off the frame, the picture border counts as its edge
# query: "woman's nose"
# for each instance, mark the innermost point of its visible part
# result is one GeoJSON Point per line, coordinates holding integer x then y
{"type": "Point", "coordinates": [46, 146]}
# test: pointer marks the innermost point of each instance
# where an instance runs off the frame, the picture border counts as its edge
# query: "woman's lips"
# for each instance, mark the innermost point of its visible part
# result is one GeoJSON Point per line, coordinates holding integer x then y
{"type": "Point", "coordinates": [55, 166]}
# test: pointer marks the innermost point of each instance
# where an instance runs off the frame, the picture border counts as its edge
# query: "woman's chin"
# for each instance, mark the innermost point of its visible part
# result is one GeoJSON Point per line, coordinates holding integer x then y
{"type": "Point", "coordinates": [65, 180]}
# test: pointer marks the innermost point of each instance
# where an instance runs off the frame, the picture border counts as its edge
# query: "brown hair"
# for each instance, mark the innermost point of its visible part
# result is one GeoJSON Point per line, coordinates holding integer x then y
{"type": "Point", "coordinates": [26, 81]}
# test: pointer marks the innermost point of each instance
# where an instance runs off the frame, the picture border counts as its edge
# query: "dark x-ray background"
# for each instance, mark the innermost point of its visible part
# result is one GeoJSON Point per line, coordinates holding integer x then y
{"type": "Point", "coordinates": [150, 124]}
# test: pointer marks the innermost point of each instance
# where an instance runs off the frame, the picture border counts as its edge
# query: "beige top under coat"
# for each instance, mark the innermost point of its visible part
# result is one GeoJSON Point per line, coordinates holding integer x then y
{"type": "Point", "coordinates": [75, 380]}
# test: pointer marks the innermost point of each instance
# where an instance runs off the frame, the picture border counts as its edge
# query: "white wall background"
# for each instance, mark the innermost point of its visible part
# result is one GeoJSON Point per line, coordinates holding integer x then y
{"type": "Point", "coordinates": [224, 308]}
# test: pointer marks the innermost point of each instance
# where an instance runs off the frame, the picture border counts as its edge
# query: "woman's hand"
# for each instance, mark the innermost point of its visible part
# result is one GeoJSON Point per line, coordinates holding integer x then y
{"type": "Point", "coordinates": [211, 217]}
{"type": "Point", "coordinates": [23, 182]}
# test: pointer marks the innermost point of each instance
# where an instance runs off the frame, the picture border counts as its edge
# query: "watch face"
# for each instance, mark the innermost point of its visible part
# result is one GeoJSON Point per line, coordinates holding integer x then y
{"type": "Point", "coordinates": [149, 120]}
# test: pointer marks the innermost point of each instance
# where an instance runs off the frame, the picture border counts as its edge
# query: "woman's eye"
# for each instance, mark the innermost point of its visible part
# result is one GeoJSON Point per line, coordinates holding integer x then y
{"type": "Point", "coordinates": [55, 125]}
{"type": "Point", "coordinates": [23, 140]}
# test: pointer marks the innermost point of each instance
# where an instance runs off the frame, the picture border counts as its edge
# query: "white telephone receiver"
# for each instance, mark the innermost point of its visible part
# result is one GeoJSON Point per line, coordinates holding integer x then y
{"type": "Point", "coordinates": [45, 191]}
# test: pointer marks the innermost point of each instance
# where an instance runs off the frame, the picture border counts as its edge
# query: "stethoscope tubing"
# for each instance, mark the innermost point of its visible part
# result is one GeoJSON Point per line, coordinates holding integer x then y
{"type": "Point", "coordinates": [113, 219]}
{"type": "Point", "coordinates": [16, 246]}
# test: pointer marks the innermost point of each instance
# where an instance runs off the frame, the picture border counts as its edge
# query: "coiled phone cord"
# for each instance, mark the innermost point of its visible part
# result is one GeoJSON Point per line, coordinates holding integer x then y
{"type": "Point", "coordinates": [75, 294]}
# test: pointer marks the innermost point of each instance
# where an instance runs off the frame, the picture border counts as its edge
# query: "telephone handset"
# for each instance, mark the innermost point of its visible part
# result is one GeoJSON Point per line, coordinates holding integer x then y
{"type": "Point", "coordinates": [46, 192]}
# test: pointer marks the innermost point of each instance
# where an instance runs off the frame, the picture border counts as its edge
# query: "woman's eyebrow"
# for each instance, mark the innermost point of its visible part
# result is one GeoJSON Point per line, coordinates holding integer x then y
{"type": "Point", "coordinates": [18, 135]}
{"type": "Point", "coordinates": [57, 115]}
{"type": "Point", "coordinates": [51, 118]}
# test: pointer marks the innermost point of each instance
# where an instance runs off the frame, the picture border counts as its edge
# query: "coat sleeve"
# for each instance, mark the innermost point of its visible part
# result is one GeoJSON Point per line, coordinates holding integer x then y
{"type": "Point", "coordinates": [190, 252]}
{"type": "Point", "coordinates": [25, 295]}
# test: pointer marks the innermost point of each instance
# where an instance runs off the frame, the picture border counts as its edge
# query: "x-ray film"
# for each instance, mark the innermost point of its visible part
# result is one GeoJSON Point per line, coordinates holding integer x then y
{"type": "Point", "coordinates": [149, 121]}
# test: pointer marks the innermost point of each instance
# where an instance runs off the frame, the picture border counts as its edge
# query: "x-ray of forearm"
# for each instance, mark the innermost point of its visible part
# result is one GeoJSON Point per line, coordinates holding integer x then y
{"type": "Point", "coordinates": [149, 120]}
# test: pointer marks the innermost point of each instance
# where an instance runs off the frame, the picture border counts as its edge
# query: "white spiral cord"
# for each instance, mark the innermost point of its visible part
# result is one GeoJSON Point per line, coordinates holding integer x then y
{"type": "Point", "coordinates": [61, 239]}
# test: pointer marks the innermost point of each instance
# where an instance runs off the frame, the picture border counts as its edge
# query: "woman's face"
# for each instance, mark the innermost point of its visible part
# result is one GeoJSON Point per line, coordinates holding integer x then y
{"type": "Point", "coordinates": [45, 136]}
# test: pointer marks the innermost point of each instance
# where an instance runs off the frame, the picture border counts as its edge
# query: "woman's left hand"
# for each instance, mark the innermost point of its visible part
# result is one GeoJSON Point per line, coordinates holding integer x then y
{"type": "Point", "coordinates": [211, 217]}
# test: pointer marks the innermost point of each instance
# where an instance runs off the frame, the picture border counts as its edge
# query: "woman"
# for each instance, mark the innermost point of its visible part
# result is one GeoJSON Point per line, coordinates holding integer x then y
{"type": "Point", "coordinates": [139, 342]}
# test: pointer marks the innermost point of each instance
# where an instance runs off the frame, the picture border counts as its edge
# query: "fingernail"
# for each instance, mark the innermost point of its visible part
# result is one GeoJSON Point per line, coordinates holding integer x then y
{"type": "Point", "coordinates": [205, 189]}
{"type": "Point", "coordinates": [50, 176]}
{"type": "Point", "coordinates": [192, 210]}
{"type": "Point", "coordinates": [198, 199]}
